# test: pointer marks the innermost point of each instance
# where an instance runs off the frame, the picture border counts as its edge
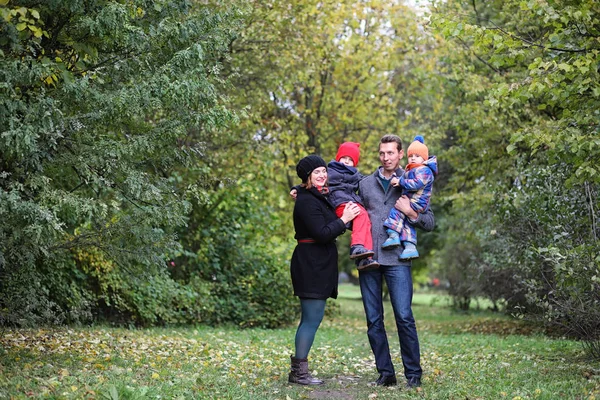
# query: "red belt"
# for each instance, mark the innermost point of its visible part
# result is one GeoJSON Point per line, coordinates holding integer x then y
{"type": "Point", "coordinates": [306, 241]}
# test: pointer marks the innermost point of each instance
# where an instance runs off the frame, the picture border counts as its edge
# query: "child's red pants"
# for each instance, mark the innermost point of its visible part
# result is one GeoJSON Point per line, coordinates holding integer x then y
{"type": "Point", "coordinates": [361, 227]}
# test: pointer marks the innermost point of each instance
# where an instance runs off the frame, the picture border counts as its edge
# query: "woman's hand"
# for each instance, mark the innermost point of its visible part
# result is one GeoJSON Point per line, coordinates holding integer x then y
{"type": "Point", "coordinates": [403, 204]}
{"type": "Point", "coordinates": [350, 212]}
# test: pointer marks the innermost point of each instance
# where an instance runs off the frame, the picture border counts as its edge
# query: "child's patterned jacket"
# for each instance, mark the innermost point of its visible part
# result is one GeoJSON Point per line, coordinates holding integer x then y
{"type": "Point", "coordinates": [417, 183]}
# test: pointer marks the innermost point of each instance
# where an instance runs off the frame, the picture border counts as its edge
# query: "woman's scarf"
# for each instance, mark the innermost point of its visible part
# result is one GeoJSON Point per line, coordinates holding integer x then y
{"type": "Point", "coordinates": [324, 190]}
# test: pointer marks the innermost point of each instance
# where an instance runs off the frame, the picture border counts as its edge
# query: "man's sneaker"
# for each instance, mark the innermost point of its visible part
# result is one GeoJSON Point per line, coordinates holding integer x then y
{"type": "Point", "coordinates": [366, 264]}
{"type": "Point", "coordinates": [392, 241]}
{"type": "Point", "coordinates": [409, 252]}
{"type": "Point", "coordinates": [413, 382]}
{"type": "Point", "coordinates": [359, 252]}
{"type": "Point", "coordinates": [385, 381]}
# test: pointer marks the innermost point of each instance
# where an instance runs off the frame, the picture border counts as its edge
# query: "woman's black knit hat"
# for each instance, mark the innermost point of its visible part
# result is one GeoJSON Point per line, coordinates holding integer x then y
{"type": "Point", "coordinates": [307, 165]}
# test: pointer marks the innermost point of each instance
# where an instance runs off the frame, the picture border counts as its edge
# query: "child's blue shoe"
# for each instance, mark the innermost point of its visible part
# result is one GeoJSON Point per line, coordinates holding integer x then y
{"type": "Point", "coordinates": [392, 241]}
{"type": "Point", "coordinates": [409, 252]}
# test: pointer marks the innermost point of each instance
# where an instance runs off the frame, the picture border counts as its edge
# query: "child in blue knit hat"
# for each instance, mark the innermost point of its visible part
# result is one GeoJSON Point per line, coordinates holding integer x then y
{"type": "Point", "coordinates": [416, 183]}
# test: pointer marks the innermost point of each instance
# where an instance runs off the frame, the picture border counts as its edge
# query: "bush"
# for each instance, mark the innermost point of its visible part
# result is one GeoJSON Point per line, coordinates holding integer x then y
{"type": "Point", "coordinates": [243, 263]}
{"type": "Point", "coordinates": [552, 235]}
{"type": "Point", "coordinates": [256, 292]}
{"type": "Point", "coordinates": [90, 143]}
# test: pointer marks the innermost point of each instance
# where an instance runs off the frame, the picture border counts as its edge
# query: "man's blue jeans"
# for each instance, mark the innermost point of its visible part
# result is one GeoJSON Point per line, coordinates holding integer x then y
{"type": "Point", "coordinates": [399, 282]}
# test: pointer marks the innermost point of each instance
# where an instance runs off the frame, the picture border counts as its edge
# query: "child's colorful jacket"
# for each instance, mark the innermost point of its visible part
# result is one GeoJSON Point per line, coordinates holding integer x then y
{"type": "Point", "coordinates": [417, 183]}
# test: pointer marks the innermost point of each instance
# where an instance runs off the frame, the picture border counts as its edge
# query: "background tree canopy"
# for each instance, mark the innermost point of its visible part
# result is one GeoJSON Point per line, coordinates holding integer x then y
{"type": "Point", "coordinates": [522, 80]}
{"type": "Point", "coordinates": [110, 113]}
{"type": "Point", "coordinates": [147, 149]}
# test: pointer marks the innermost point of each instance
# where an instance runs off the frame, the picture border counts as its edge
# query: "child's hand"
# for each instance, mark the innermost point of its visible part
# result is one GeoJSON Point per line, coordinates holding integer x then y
{"type": "Point", "coordinates": [403, 204]}
{"type": "Point", "coordinates": [395, 181]}
{"type": "Point", "coordinates": [293, 193]}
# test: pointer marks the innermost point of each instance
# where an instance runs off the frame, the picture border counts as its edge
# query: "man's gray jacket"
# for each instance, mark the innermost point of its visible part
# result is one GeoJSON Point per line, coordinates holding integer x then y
{"type": "Point", "coordinates": [378, 204]}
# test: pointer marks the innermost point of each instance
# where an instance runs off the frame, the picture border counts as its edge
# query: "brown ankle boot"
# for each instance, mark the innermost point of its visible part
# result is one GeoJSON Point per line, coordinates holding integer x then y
{"type": "Point", "coordinates": [299, 373]}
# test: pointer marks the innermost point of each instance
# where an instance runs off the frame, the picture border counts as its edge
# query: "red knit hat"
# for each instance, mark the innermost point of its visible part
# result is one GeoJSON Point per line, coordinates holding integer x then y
{"type": "Point", "coordinates": [349, 149]}
{"type": "Point", "coordinates": [418, 147]}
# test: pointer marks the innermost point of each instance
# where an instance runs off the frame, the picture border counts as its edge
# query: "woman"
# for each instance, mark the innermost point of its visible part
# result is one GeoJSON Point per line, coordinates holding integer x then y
{"type": "Point", "coordinates": [314, 267]}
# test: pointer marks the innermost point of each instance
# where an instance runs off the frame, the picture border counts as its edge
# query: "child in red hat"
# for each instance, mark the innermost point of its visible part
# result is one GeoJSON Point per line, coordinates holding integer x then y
{"type": "Point", "coordinates": [343, 179]}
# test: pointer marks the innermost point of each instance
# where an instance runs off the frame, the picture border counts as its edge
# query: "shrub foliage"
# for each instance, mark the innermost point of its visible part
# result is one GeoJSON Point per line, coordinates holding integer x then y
{"type": "Point", "coordinates": [523, 197]}
{"type": "Point", "coordinates": [102, 106]}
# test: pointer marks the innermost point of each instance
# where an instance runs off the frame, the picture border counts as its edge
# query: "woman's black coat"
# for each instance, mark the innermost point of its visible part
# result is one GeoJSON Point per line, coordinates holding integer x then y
{"type": "Point", "coordinates": [314, 266]}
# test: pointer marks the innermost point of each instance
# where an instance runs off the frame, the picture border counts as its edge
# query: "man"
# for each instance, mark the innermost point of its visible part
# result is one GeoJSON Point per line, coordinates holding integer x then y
{"type": "Point", "coordinates": [379, 196]}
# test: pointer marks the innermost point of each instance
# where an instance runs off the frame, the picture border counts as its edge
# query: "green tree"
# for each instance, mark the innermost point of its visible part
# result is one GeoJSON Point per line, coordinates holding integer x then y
{"type": "Point", "coordinates": [526, 72]}
{"type": "Point", "coordinates": [313, 74]}
{"type": "Point", "coordinates": [100, 104]}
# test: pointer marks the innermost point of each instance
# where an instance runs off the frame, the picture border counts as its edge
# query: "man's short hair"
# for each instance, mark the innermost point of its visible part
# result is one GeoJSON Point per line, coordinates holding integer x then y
{"type": "Point", "coordinates": [392, 139]}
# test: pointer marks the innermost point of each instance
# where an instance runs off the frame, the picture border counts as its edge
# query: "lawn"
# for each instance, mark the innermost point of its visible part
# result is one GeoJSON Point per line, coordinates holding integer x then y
{"type": "Point", "coordinates": [475, 355]}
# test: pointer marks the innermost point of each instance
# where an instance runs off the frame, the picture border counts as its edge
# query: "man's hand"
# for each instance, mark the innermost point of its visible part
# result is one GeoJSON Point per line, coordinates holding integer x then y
{"type": "Point", "coordinates": [293, 193]}
{"type": "Point", "coordinates": [403, 204]}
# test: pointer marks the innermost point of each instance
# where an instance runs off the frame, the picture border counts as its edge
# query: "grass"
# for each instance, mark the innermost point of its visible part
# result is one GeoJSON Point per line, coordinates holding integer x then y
{"type": "Point", "coordinates": [475, 355]}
